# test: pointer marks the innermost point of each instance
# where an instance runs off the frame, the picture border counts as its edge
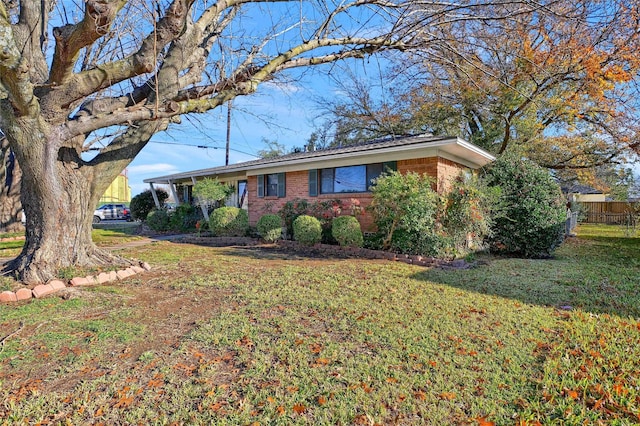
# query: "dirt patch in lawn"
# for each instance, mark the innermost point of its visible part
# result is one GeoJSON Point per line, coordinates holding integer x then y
{"type": "Point", "coordinates": [164, 317]}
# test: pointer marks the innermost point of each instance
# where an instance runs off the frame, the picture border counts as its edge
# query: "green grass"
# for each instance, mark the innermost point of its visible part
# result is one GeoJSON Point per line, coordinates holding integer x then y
{"type": "Point", "coordinates": [111, 234]}
{"type": "Point", "coordinates": [242, 336]}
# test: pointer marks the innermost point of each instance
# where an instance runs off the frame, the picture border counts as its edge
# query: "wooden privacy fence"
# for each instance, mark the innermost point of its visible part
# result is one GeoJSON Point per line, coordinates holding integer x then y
{"type": "Point", "coordinates": [610, 212]}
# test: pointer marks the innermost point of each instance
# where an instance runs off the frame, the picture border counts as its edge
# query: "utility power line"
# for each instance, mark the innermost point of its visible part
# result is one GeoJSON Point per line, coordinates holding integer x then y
{"type": "Point", "coordinates": [200, 146]}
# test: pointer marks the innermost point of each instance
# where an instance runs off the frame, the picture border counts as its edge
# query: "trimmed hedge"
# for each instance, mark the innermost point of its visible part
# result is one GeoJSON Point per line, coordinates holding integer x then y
{"type": "Point", "coordinates": [269, 227]}
{"type": "Point", "coordinates": [307, 230]}
{"type": "Point", "coordinates": [229, 222]}
{"type": "Point", "coordinates": [346, 231]}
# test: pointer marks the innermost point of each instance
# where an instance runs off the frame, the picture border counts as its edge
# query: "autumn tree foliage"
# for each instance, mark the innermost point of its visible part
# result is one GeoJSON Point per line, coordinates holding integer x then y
{"type": "Point", "coordinates": [561, 88]}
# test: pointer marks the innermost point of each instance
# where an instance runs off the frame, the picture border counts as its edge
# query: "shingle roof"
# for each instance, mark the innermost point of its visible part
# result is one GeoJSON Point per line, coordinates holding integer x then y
{"type": "Point", "coordinates": [580, 189]}
{"type": "Point", "coordinates": [369, 147]}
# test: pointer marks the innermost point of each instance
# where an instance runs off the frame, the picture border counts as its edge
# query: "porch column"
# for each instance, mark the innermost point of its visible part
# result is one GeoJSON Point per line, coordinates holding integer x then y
{"type": "Point", "coordinates": [172, 188]}
{"type": "Point", "coordinates": [155, 196]}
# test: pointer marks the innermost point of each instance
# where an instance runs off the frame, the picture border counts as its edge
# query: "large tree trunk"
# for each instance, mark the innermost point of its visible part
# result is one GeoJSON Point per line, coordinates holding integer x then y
{"type": "Point", "coordinates": [10, 176]}
{"type": "Point", "coordinates": [59, 194]}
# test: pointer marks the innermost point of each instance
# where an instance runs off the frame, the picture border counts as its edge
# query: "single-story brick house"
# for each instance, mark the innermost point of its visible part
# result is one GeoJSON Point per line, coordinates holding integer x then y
{"type": "Point", "coordinates": [338, 173]}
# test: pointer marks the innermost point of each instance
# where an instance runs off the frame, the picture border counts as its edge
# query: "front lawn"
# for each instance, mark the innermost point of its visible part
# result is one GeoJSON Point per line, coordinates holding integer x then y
{"type": "Point", "coordinates": [106, 234]}
{"type": "Point", "coordinates": [263, 336]}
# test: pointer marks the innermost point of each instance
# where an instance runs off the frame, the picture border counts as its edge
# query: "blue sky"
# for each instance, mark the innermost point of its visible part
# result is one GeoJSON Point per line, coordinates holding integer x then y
{"type": "Point", "coordinates": [284, 114]}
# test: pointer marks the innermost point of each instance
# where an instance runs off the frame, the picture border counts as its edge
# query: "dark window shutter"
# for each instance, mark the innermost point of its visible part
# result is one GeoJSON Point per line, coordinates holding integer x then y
{"type": "Point", "coordinates": [282, 191]}
{"type": "Point", "coordinates": [313, 183]}
{"type": "Point", "coordinates": [389, 166]}
{"type": "Point", "coordinates": [260, 186]}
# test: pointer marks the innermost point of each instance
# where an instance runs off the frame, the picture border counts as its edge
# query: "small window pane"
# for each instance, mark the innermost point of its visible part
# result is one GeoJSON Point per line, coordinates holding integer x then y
{"type": "Point", "coordinates": [350, 179]}
{"type": "Point", "coordinates": [326, 181]}
{"type": "Point", "coordinates": [373, 171]}
{"type": "Point", "coordinates": [272, 185]}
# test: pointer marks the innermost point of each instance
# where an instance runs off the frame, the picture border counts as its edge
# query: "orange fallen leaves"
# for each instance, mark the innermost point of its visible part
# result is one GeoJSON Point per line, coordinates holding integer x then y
{"type": "Point", "coordinates": [319, 362]}
{"type": "Point", "coordinates": [315, 348]}
{"type": "Point", "coordinates": [124, 402]}
{"type": "Point", "coordinates": [482, 421]}
{"type": "Point", "coordinates": [447, 396]}
{"type": "Point", "coordinates": [321, 400]}
{"type": "Point", "coordinates": [299, 408]}
{"type": "Point", "coordinates": [571, 393]}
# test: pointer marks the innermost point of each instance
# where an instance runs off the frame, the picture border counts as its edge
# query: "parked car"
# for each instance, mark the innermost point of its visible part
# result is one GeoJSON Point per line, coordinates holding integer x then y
{"type": "Point", "coordinates": [111, 212]}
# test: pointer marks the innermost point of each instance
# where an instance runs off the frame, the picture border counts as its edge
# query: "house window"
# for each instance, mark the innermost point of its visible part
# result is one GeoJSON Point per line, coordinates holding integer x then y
{"type": "Point", "coordinates": [271, 185]}
{"type": "Point", "coordinates": [351, 178]}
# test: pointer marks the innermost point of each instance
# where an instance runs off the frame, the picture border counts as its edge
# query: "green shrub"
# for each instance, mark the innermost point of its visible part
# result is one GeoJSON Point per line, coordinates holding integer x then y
{"type": "Point", "coordinates": [184, 217]}
{"type": "Point", "coordinates": [467, 213]}
{"type": "Point", "coordinates": [158, 220]}
{"type": "Point", "coordinates": [346, 230]}
{"type": "Point", "coordinates": [142, 204]}
{"type": "Point", "coordinates": [530, 213]}
{"type": "Point", "coordinates": [269, 227]}
{"type": "Point", "coordinates": [290, 212]}
{"type": "Point", "coordinates": [307, 230]}
{"type": "Point", "coordinates": [229, 222]}
{"type": "Point", "coordinates": [404, 208]}
{"type": "Point", "coordinates": [211, 192]}
{"type": "Point", "coordinates": [325, 211]}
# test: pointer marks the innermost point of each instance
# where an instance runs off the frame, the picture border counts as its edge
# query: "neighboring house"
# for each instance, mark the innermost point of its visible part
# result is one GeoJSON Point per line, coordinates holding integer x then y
{"type": "Point", "coordinates": [338, 173]}
{"type": "Point", "coordinates": [118, 191]}
{"type": "Point", "coordinates": [583, 194]}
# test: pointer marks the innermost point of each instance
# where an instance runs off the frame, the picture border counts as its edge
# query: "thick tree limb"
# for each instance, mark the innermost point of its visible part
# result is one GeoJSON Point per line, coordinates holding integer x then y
{"type": "Point", "coordinates": [70, 39]}
{"type": "Point", "coordinates": [15, 77]}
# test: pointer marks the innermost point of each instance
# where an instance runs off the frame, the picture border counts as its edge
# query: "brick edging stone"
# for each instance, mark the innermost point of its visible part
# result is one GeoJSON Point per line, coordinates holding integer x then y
{"type": "Point", "coordinates": [53, 286]}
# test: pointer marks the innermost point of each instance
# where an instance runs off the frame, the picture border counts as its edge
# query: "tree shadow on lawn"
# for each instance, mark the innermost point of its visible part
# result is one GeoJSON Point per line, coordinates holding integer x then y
{"type": "Point", "coordinates": [275, 252]}
{"type": "Point", "coordinates": [597, 275]}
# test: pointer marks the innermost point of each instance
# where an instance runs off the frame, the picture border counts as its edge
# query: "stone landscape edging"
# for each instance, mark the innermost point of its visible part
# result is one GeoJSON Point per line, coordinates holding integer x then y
{"type": "Point", "coordinates": [54, 286]}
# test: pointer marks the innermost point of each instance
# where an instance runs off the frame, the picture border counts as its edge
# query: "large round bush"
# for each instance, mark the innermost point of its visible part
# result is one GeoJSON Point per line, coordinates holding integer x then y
{"type": "Point", "coordinates": [229, 222]}
{"type": "Point", "coordinates": [158, 220]}
{"type": "Point", "coordinates": [307, 230]}
{"type": "Point", "coordinates": [346, 231]}
{"type": "Point", "coordinates": [142, 204]}
{"type": "Point", "coordinates": [531, 212]}
{"type": "Point", "coordinates": [269, 227]}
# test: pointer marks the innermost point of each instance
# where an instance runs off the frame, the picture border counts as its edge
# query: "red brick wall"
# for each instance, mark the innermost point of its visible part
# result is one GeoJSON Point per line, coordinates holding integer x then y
{"type": "Point", "coordinates": [428, 166]}
{"type": "Point", "coordinates": [447, 171]}
{"type": "Point", "coordinates": [297, 186]}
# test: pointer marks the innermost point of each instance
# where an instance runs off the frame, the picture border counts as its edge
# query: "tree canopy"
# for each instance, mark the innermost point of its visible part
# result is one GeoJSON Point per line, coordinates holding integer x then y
{"type": "Point", "coordinates": [562, 88]}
